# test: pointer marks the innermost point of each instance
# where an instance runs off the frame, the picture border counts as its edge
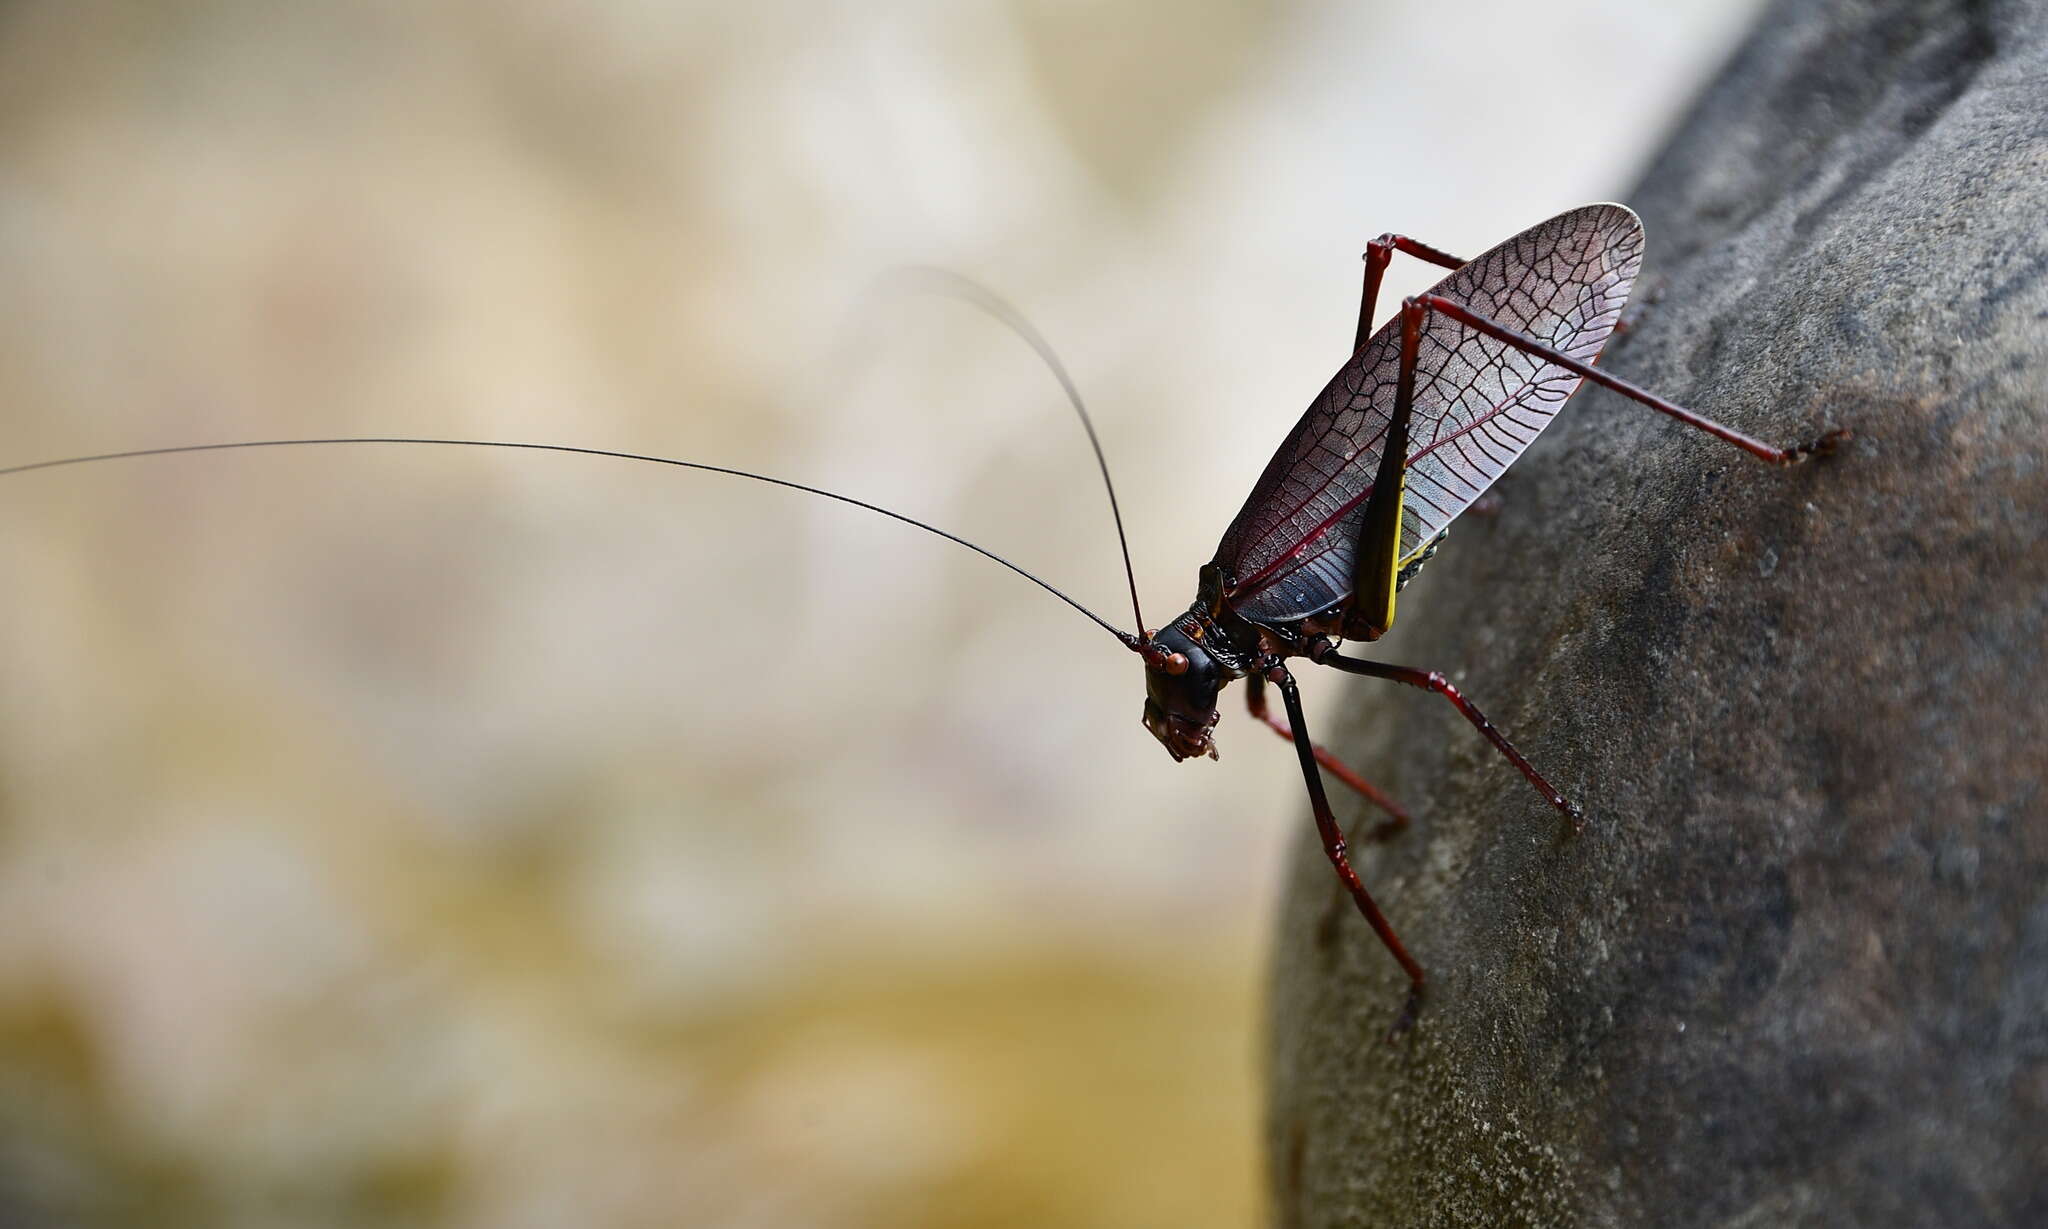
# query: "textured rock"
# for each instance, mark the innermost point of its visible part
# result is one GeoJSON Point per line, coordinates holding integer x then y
{"type": "Point", "coordinates": [1796, 970]}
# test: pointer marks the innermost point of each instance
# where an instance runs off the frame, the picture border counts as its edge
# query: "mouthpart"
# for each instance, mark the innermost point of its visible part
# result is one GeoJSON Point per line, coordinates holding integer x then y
{"type": "Point", "coordinates": [1182, 738]}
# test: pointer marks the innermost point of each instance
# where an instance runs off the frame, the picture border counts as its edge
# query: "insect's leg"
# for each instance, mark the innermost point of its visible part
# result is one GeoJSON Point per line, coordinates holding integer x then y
{"type": "Point", "coordinates": [1376, 571]}
{"type": "Point", "coordinates": [1334, 847]}
{"type": "Point", "coordinates": [1325, 654]}
{"type": "Point", "coordinates": [1378, 254]}
{"type": "Point", "coordinates": [1754, 447]}
{"type": "Point", "coordinates": [1255, 700]}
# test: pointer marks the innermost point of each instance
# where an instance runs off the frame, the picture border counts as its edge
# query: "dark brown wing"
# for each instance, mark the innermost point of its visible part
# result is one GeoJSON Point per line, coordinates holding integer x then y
{"type": "Point", "coordinates": [1478, 404]}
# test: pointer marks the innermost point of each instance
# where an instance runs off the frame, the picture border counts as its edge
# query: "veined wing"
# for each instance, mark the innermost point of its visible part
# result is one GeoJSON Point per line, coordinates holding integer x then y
{"type": "Point", "coordinates": [1479, 403]}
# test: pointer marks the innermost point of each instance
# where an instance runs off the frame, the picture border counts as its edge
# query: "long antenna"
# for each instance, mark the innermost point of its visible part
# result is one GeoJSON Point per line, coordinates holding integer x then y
{"type": "Point", "coordinates": [1128, 640]}
{"type": "Point", "coordinates": [947, 282]}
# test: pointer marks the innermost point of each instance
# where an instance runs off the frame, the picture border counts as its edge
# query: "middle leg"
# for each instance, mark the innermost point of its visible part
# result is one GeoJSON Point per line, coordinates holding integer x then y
{"type": "Point", "coordinates": [1325, 654]}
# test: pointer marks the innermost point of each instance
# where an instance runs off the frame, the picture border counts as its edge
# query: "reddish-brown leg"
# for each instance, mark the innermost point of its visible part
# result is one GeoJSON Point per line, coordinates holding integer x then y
{"type": "Point", "coordinates": [1255, 700]}
{"type": "Point", "coordinates": [1377, 255]}
{"type": "Point", "coordinates": [1334, 846]}
{"type": "Point", "coordinates": [1323, 653]}
{"type": "Point", "coordinates": [1754, 447]}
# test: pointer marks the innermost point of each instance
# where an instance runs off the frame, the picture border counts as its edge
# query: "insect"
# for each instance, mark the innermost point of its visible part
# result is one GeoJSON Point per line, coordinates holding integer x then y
{"type": "Point", "coordinates": [1427, 413]}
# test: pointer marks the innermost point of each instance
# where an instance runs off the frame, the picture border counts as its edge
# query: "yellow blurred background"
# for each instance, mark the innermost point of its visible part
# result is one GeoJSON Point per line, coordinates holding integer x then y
{"type": "Point", "coordinates": [433, 837]}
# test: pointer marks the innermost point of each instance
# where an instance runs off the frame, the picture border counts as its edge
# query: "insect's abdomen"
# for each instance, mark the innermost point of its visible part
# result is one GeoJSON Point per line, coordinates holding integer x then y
{"type": "Point", "coordinates": [1479, 404]}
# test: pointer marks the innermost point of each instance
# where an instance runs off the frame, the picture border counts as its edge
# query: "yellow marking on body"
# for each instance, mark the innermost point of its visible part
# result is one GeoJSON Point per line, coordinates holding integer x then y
{"type": "Point", "coordinates": [1383, 563]}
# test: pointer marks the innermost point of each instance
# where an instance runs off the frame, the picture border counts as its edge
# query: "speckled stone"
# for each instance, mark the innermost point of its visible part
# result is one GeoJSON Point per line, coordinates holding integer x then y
{"type": "Point", "coordinates": [1795, 972]}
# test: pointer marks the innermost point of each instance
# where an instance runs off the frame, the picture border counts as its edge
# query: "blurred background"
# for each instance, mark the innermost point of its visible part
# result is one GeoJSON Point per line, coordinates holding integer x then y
{"type": "Point", "coordinates": [436, 837]}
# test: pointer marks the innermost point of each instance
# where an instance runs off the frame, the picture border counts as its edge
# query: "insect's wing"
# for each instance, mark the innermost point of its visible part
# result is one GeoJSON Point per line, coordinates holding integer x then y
{"type": "Point", "coordinates": [1479, 403]}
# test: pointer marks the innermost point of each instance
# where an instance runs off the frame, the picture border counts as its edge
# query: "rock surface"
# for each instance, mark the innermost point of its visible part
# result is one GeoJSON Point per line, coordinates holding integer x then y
{"type": "Point", "coordinates": [1796, 969]}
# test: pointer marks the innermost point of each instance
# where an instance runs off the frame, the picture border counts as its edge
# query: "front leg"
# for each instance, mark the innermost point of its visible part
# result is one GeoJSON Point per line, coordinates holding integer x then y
{"type": "Point", "coordinates": [1255, 701]}
{"type": "Point", "coordinates": [1334, 846]}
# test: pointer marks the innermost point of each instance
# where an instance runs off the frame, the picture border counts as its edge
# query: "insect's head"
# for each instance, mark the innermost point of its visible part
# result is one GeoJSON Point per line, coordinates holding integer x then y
{"type": "Point", "coordinates": [1181, 682]}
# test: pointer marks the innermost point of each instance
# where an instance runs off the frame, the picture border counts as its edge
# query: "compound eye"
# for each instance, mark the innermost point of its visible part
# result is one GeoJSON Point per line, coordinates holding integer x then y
{"type": "Point", "coordinates": [1157, 658]}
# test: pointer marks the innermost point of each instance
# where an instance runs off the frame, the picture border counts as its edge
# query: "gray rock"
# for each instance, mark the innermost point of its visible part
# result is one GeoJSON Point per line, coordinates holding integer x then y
{"type": "Point", "coordinates": [1796, 969]}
